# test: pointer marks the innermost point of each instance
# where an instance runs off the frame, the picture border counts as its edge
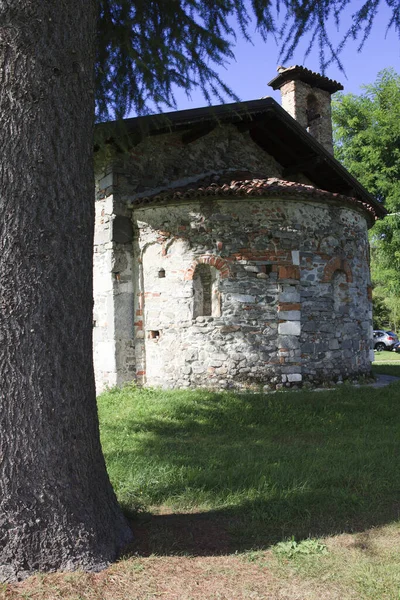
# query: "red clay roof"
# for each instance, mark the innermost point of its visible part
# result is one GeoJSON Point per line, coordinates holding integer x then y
{"type": "Point", "coordinates": [243, 184]}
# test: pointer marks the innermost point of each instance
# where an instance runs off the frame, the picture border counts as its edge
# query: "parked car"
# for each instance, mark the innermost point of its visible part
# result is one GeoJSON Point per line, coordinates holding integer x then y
{"type": "Point", "coordinates": [396, 347]}
{"type": "Point", "coordinates": [384, 340]}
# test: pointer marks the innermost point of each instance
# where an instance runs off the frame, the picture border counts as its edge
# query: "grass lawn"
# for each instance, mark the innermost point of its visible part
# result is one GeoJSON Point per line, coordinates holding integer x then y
{"type": "Point", "coordinates": [293, 495]}
{"type": "Point", "coordinates": [387, 362]}
{"type": "Point", "coordinates": [387, 357]}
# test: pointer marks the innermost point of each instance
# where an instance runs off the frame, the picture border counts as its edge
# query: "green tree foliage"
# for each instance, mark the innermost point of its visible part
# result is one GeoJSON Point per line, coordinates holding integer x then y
{"type": "Point", "coordinates": [367, 142]}
{"type": "Point", "coordinates": [146, 49]}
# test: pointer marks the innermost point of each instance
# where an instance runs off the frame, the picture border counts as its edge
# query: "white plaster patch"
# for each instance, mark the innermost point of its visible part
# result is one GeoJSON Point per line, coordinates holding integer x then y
{"type": "Point", "coordinates": [179, 248]}
{"type": "Point", "coordinates": [289, 328]}
{"type": "Point", "coordinates": [292, 377]}
{"type": "Point", "coordinates": [105, 356]}
{"type": "Point", "coordinates": [295, 257]}
{"type": "Point", "coordinates": [242, 298]}
{"type": "Point", "coordinates": [108, 205]}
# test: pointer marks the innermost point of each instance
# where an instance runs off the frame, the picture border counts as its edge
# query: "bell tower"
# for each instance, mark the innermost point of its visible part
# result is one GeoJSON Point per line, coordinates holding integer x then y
{"type": "Point", "coordinates": [306, 96]}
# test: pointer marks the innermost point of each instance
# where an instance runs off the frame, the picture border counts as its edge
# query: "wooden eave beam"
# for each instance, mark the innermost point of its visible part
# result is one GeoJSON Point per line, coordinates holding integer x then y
{"type": "Point", "coordinates": [310, 162]}
{"type": "Point", "coordinates": [275, 146]}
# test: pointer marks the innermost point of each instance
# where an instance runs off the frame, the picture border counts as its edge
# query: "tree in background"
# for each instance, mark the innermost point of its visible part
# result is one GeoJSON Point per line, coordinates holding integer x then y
{"type": "Point", "coordinates": [57, 507]}
{"type": "Point", "coordinates": [367, 142]}
{"type": "Point", "coordinates": [146, 49]}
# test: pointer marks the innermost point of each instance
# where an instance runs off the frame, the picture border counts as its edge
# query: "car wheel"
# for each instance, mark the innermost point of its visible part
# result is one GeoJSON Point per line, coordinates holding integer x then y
{"type": "Point", "coordinates": [380, 346]}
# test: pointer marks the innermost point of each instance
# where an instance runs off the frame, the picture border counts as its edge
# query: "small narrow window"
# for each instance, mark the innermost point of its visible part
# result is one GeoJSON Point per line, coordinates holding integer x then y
{"type": "Point", "coordinates": [313, 113]}
{"type": "Point", "coordinates": [154, 334]}
{"type": "Point", "coordinates": [161, 273]}
{"type": "Point", "coordinates": [312, 109]}
{"type": "Point", "coordinates": [267, 269]}
{"type": "Point", "coordinates": [207, 299]}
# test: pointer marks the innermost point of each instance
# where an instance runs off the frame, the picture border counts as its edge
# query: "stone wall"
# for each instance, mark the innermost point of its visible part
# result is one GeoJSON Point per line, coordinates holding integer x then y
{"type": "Point", "coordinates": [292, 280]}
{"type": "Point", "coordinates": [282, 296]}
{"type": "Point", "coordinates": [174, 159]}
{"type": "Point", "coordinates": [113, 283]}
{"type": "Point", "coordinates": [155, 163]}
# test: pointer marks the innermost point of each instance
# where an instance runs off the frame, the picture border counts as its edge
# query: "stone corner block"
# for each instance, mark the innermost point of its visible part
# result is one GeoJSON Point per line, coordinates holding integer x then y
{"type": "Point", "coordinates": [293, 377]}
{"type": "Point", "coordinates": [296, 257]}
{"type": "Point", "coordinates": [290, 315]}
{"type": "Point", "coordinates": [289, 328]}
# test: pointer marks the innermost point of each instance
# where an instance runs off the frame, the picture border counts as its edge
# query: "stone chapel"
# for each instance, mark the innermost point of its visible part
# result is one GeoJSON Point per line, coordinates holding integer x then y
{"type": "Point", "coordinates": [231, 248]}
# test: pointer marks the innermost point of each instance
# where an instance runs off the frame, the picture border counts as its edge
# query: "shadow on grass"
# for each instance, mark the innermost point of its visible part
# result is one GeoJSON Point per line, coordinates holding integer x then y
{"type": "Point", "coordinates": [229, 531]}
{"type": "Point", "coordinates": [387, 369]}
{"type": "Point", "coordinates": [238, 472]}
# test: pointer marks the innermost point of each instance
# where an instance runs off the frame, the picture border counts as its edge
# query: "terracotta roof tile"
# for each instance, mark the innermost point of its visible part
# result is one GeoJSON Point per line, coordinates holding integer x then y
{"type": "Point", "coordinates": [299, 72]}
{"type": "Point", "coordinates": [243, 184]}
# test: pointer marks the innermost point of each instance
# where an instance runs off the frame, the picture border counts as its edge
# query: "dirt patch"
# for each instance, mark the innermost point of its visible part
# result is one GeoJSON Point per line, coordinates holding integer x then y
{"type": "Point", "coordinates": [375, 541]}
{"type": "Point", "coordinates": [173, 578]}
{"type": "Point", "coordinates": [180, 557]}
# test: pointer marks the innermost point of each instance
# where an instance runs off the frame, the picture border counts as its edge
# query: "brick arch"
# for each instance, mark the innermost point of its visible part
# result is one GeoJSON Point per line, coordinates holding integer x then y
{"type": "Point", "coordinates": [214, 261]}
{"type": "Point", "coordinates": [337, 264]}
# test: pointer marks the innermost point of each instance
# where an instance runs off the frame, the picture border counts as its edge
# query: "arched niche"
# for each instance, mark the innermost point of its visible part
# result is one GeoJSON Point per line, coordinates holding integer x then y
{"type": "Point", "coordinates": [313, 112]}
{"type": "Point", "coordinates": [206, 295]}
{"type": "Point", "coordinates": [340, 292]}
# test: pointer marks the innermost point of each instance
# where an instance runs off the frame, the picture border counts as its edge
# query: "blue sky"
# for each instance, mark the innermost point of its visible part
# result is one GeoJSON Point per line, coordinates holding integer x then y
{"type": "Point", "coordinates": [256, 64]}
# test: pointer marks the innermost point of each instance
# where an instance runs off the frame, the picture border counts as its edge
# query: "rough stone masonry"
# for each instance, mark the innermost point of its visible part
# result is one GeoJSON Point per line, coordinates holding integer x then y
{"type": "Point", "coordinates": [232, 252]}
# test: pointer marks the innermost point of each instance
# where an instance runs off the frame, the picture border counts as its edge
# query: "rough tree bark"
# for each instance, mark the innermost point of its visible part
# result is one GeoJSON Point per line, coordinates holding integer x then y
{"type": "Point", "coordinates": [57, 507]}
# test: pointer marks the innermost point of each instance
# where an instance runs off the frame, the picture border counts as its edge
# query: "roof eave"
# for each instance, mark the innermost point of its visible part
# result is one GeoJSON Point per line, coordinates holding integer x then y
{"type": "Point", "coordinates": [169, 121]}
{"type": "Point", "coordinates": [235, 113]}
{"type": "Point", "coordinates": [330, 159]}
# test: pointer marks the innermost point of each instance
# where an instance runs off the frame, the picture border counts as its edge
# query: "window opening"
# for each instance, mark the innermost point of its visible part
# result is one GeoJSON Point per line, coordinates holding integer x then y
{"type": "Point", "coordinates": [267, 269]}
{"type": "Point", "coordinates": [207, 298]}
{"type": "Point", "coordinates": [312, 110]}
{"type": "Point", "coordinates": [154, 334]}
{"type": "Point", "coordinates": [161, 273]}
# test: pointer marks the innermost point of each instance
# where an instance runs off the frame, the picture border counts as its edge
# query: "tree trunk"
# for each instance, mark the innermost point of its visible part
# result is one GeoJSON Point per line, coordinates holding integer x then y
{"type": "Point", "coordinates": [57, 507]}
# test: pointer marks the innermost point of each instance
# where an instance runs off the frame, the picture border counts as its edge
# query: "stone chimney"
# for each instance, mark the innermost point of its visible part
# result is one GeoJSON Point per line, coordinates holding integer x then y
{"type": "Point", "coordinates": [306, 96]}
